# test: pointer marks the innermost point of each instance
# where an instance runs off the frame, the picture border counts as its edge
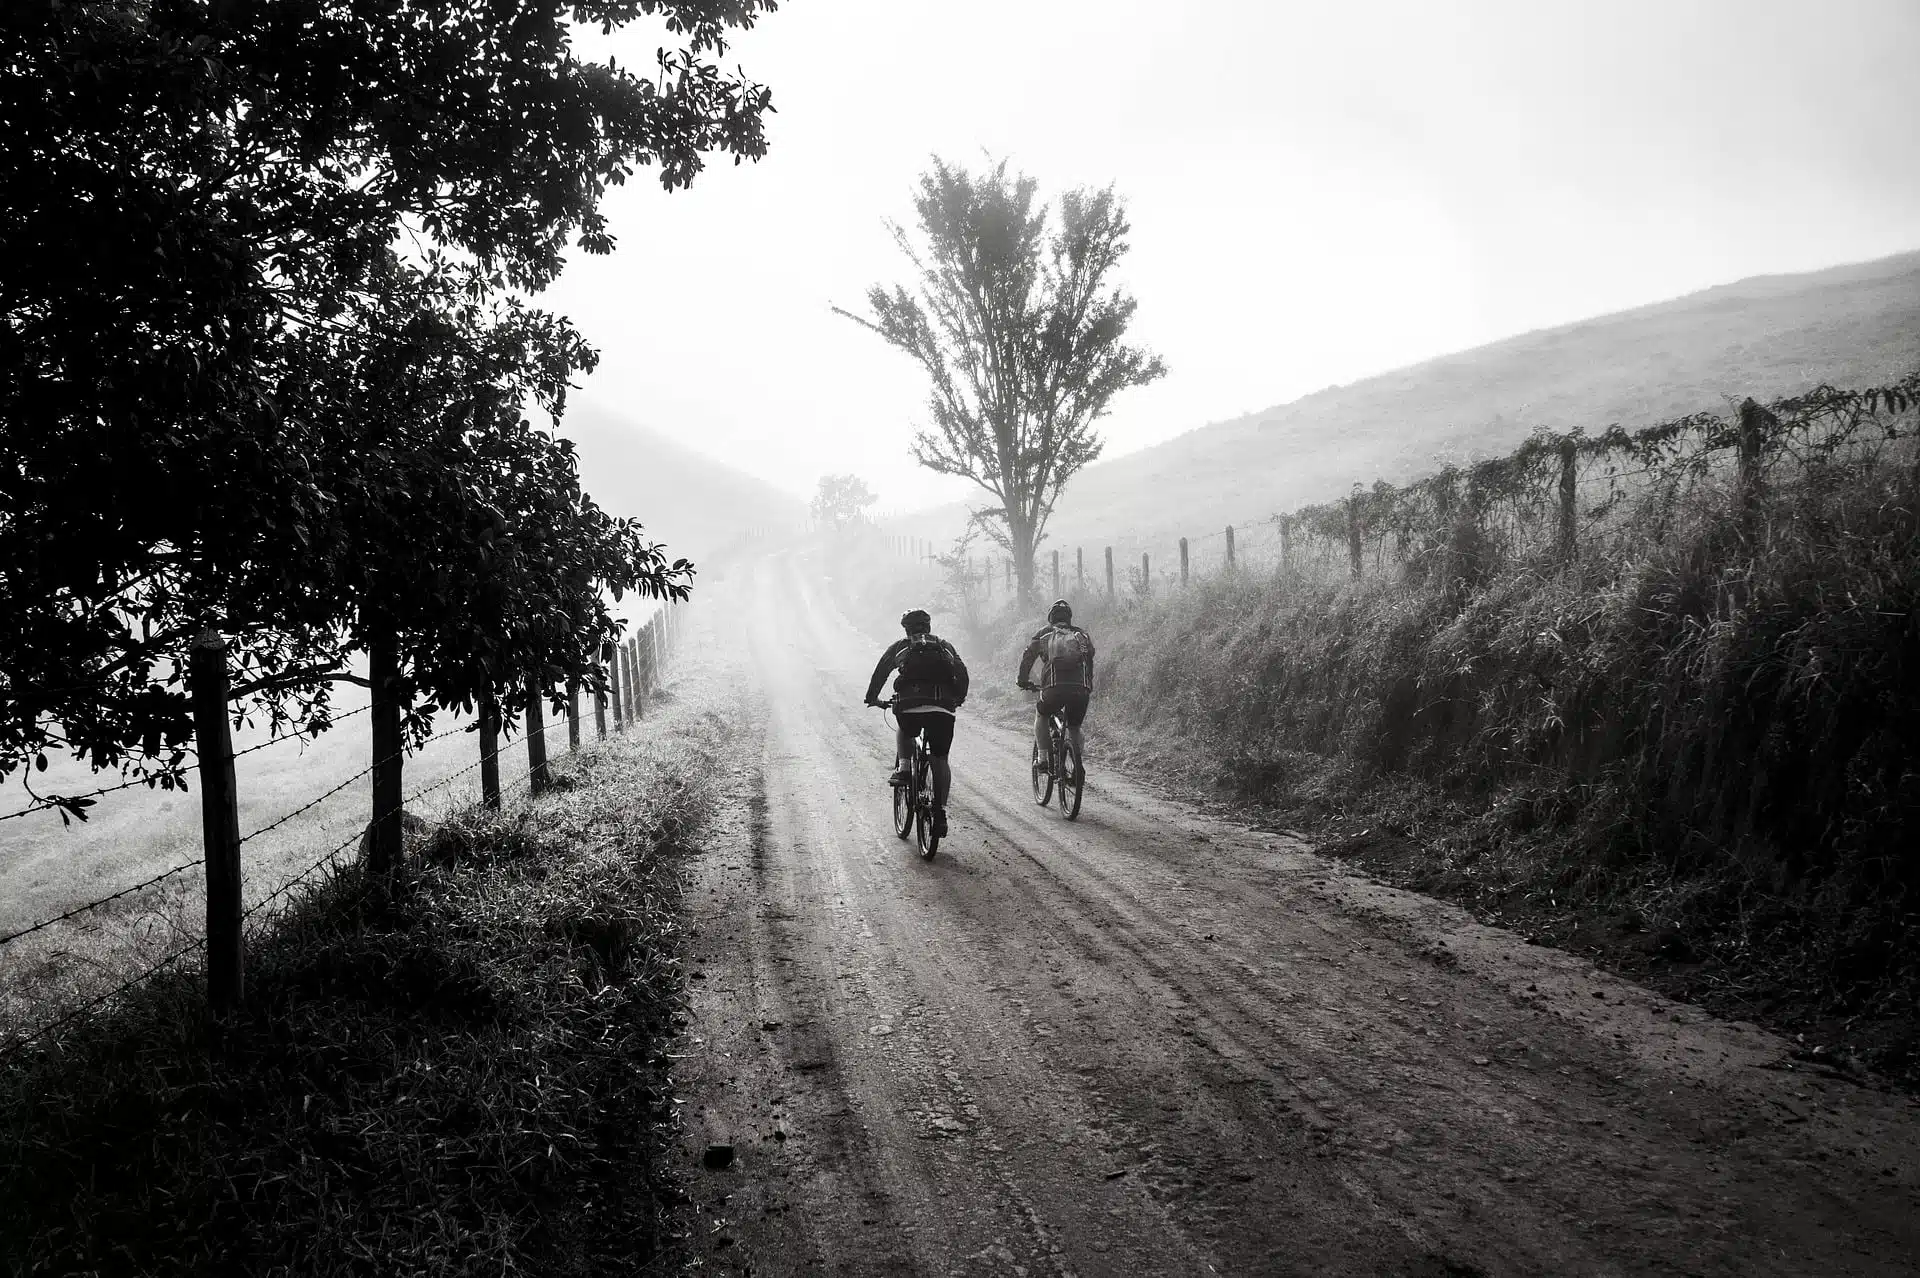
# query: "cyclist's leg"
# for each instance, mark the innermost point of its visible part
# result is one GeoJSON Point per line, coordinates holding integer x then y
{"type": "Point", "coordinates": [903, 748]}
{"type": "Point", "coordinates": [1075, 705]}
{"type": "Point", "coordinates": [939, 730]}
{"type": "Point", "coordinates": [1043, 711]}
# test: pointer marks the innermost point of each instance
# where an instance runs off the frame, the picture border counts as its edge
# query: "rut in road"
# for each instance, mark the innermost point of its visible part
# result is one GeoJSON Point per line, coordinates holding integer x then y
{"type": "Point", "coordinates": [1154, 1042]}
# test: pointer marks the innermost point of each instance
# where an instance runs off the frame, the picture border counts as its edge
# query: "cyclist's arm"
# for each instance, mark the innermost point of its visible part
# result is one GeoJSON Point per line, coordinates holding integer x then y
{"type": "Point", "coordinates": [961, 679]}
{"type": "Point", "coordinates": [1027, 658]}
{"type": "Point", "coordinates": [880, 671]}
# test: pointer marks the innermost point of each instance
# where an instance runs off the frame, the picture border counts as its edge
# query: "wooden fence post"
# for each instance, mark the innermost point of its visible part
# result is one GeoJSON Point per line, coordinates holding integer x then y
{"type": "Point", "coordinates": [1056, 574]}
{"type": "Point", "coordinates": [636, 682]}
{"type": "Point", "coordinates": [1146, 581]}
{"type": "Point", "coordinates": [490, 752]}
{"type": "Point", "coordinates": [615, 688]}
{"type": "Point", "coordinates": [385, 850]}
{"type": "Point", "coordinates": [573, 715]}
{"type": "Point", "coordinates": [1080, 569]}
{"type": "Point", "coordinates": [1229, 547]}
{"type": "Point", "coordinates": [219, 820]}
{"type": "Point", "coordinates": [1183, 563]}
{"type": "Point", "coordinates": [537, 770]}
{"type": "Point", "coordinates": [1110, 572]}
{"type": "Point", "coordinates": [1353, 530]}
{"type": "Point", "coordinates": [1568, 473]}
{"type": "Point", "coordinates": [1286, 543]}
{"type": "Point", "coordinates": [600, 707]}
{"type": "Point", "coordinates": [1754, 420]}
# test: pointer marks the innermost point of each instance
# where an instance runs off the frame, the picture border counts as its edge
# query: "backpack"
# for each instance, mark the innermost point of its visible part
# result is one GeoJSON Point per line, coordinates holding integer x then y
{"type": "Point", "coordinates": [1068, 652]}
{"type": "Point", "coordinates": [925, 662]}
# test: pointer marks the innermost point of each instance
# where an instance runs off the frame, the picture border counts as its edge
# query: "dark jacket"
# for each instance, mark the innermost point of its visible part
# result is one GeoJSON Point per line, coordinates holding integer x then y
{"type": "Point", "coordinates": [909, 695]}
{"type": "Point", "coordinates": [1037, 651]}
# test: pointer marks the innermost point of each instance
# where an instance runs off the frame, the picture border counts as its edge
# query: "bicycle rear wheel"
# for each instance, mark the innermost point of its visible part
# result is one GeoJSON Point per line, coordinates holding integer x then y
{"type": "Point", "coordinates": [1042, 778]}
{"type": "Point", "coordinates": [1071, 782]}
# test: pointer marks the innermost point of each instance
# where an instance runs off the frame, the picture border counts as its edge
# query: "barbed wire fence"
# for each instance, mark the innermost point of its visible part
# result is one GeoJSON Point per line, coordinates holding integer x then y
{"type": "Point", "coordinates": [1558, 498]}
{"type": "Point", "coordinates": [636, 669]}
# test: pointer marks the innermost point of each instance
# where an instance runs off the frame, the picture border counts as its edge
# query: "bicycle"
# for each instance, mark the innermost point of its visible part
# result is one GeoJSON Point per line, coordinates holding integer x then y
{"type": "Point", "coordinates": [1060, 773]}
{"type": "Point", "coordinates": [913, 802]}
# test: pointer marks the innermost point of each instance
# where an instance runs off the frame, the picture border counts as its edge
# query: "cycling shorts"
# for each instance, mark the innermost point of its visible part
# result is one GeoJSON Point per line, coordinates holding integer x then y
{"type": "Point", "coordinates": [936, 727]}
{"type": "Point", "coordinates": [1068, 699]}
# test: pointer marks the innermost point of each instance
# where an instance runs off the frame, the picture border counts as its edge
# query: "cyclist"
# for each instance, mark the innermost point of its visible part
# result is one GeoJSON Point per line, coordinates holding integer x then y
{"type": "Point", "coordinates": [1066, 685]}
{"type": "Point", "coordinates": [932, 684]}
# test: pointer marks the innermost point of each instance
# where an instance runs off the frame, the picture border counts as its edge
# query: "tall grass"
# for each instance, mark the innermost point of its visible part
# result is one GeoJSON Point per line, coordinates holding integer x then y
{"type": "Point", "coordinates": [1716, 721]}
{"type": "Point", "coordinates": [468, 1080]}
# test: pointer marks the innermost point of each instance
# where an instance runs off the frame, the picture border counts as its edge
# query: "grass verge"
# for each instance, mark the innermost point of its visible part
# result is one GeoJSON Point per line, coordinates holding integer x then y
{"type": "Point", "coordinates": [472, 1079]}
{"type": "Point", "coordinates": [1695, 757]}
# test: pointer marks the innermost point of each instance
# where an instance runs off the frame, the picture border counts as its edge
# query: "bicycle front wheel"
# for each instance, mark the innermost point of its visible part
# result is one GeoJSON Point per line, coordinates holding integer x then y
{"type": "Point", "coordinates": [1072, 782]}
{"type": "Point", "coordinates": [1042, 778]}
{"type": "Point", "coordinates": [903, 810]}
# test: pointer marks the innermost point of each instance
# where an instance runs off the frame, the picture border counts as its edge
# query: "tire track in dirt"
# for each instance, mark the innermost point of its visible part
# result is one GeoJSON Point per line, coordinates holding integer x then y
{"type": "Point", "coordinates": [1154, 1042]}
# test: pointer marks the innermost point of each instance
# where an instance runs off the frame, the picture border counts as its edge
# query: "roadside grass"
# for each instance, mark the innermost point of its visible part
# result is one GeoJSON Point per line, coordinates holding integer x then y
{"type": "Point", "coordinates": [471, 1079]}
{"type": "Point", "coordinates": [1695, 756]}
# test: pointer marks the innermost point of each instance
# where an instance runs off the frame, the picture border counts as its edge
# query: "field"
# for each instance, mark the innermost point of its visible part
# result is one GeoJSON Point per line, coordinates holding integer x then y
{"type": "Point", "coordinates": [1764, 337]}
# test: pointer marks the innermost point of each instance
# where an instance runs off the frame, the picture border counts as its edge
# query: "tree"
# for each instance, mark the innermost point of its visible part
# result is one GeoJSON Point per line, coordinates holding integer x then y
{"type": "Point", "coordinates": [840, 499]}
{"type": "Point", "coordinates": [1016, 321]}
{"type": "Point", "coordinates": [190, 196]}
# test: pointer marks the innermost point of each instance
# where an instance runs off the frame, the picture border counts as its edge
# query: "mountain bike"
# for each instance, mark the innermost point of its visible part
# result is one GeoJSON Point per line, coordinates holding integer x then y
{"type": "Point", "coordinates": [1060, 772]}
{"type": "Point", "coordinates": [913, 802]}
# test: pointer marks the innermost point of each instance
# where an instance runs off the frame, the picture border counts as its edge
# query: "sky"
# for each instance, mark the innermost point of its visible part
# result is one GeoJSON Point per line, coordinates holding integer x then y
{"type": "Point", "coordinates": [1318, 192]}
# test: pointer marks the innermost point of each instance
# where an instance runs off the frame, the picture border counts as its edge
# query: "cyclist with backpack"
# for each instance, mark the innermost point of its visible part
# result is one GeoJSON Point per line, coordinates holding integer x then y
{"type": "Point", "coordinates": [931, 685]}
{"type": "Point", "coordinates": [1066, 684]}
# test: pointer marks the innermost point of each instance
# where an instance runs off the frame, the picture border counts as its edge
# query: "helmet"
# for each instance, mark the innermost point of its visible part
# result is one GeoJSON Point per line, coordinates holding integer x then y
{"type": "Point", "coordinates": [1062, 611]}
{"type": "Point", "coordinates": [916, 621]}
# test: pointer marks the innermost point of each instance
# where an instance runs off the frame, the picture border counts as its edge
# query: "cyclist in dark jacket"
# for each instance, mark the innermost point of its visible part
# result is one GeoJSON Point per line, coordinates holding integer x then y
{"type": "Point", "coordinates": [931, 685]}
{"type": "Point", "coordinates": [1066, 682]}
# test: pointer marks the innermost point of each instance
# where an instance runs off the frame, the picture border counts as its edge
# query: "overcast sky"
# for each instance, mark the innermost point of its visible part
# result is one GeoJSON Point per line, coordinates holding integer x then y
{"type": "Point", "coordinates": [1319, 192]}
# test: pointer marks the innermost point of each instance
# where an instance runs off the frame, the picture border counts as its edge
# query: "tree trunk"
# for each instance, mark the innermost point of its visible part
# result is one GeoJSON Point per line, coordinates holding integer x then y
{"type": "Point", "coordinates": [383, 672]}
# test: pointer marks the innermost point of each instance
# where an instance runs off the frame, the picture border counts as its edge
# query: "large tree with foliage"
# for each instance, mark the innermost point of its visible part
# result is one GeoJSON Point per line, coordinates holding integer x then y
{"type": "Point", "coordinates": [1017, 321]}
{"type": "Point", "coordinates": [193, 197]}
{"type": "Point", "coordinates": [841, 499]}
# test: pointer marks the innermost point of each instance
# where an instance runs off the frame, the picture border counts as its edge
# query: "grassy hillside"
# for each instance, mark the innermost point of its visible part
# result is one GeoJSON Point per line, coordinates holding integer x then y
{"type": "Point", "coordinates": [1855, 325]}
{"type": "Point", "coordinates": [692, 503]}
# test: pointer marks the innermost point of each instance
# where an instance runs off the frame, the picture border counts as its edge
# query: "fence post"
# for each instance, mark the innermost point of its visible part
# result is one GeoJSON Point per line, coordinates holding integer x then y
{"type": "Point", "coordinates": [1183, 563]}
{"type": "Point", "coordinates": [1009, 574]}
{"type": "Point", "coordinates": [1568, 473]}
{"type": "Point", "coordinates": [600, 706]}
{"type": "Point", "coordinates": [490, 752]}
{"type": "Point", "coordinates": [1229, 547]}
{"type": "Point", "coordinates": [1110, 594]}
{"type": "Point", "coordinates": [1080, 569]}
{"type": "Point", "coordinates": [1286, 543]}
{"type": "Point", "coordinates": [537, 771]}
{"type": "Point", "coordinates": [1753, 423]}
{"type": "Point", "coordinates": [573, 715]}
{"type": "Point", "coordinates": [385, 850]}
{"type": "Point", "coordinates": [219, 820]}
{"type": "Point", "coordinates": [615, 688]}
{"type": "Point", "coordinates": [1353, 530]}
{"type": "Point", "coordinates": [636, 682]}
{"type": "Point", "coordinates": [1146, 581]}
{"type": "Point", "coordinates": [1056, 574]}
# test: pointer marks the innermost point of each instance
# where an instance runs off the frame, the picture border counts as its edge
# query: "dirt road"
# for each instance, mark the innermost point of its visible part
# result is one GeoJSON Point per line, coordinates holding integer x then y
{"type": "Point", "coordinates": [1150, 1042]}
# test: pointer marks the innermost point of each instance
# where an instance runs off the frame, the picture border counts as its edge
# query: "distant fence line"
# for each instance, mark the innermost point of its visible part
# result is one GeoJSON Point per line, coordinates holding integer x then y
{"type": "Point", "coordinates": [1557, 497]}
{"type": "Point", "coordinates": [637, 667]}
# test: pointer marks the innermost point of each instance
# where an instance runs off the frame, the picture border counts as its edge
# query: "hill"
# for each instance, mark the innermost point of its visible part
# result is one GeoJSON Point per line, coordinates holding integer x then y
{"type": "Point", "coordinates": [693, 504]}
{"type": "Point", "coordinates": [1766, 336]}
